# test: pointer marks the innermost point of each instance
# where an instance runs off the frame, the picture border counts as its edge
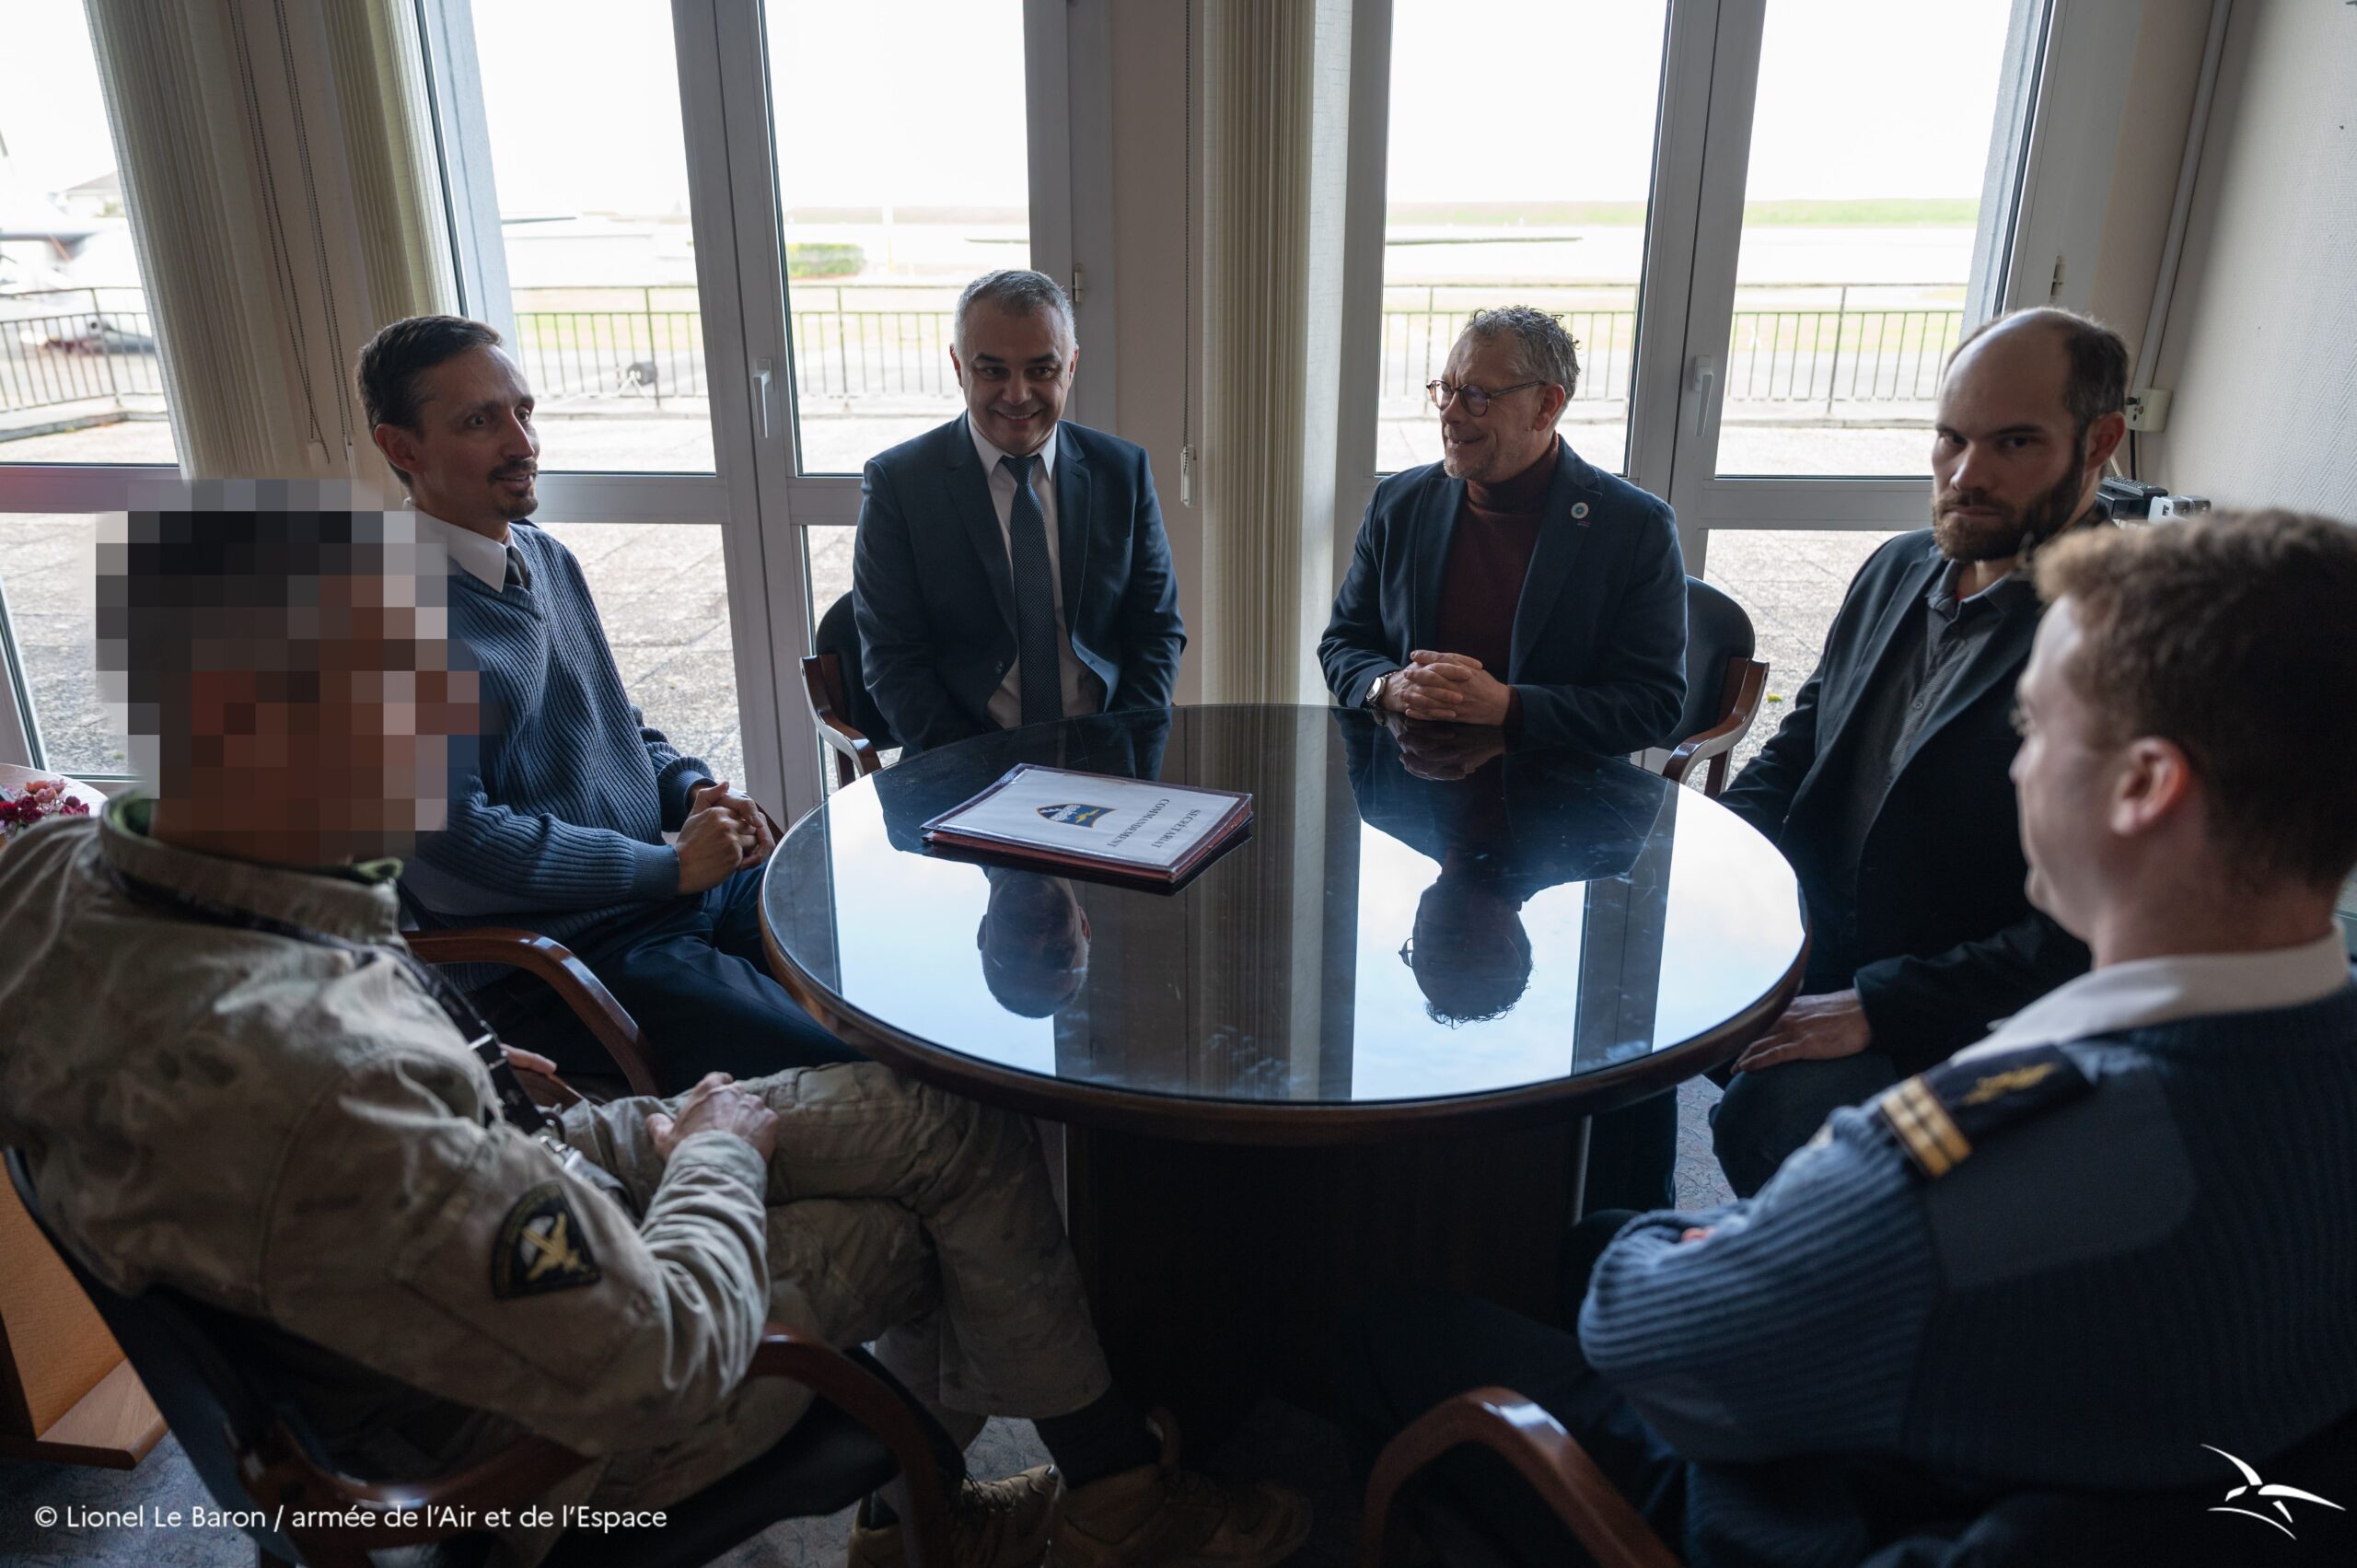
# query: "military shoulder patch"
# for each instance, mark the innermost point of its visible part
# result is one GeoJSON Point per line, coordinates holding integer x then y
{"type": "Point", "coordinates": [540, 1247]}
{"type": "Point", "coordinates": [1939, 1115]}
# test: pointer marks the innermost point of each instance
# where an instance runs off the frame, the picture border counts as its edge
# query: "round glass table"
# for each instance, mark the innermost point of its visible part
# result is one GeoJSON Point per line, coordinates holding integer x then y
{"type": "Point", "coordinates": [1361, 1045]}
{"type": "Point", "coordinates": [1386, 952]}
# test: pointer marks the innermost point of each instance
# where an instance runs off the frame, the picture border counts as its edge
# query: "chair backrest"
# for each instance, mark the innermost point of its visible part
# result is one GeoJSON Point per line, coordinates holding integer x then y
{"type": "Point", "coordinates": [179, 1349]}
{"type": "Point", "coordinates": [839, 634]}
{"type": "Point", "coordinates": [1717, 629]}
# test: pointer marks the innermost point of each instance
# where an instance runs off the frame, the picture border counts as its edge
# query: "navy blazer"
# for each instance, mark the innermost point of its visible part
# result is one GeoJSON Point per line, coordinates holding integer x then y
{"type": "Point", "coordinates": [1599, 632]}
{"type": "Point", "coordinates": [934, 596]}
{"type": "Point", "coordinates": [1948, 941]}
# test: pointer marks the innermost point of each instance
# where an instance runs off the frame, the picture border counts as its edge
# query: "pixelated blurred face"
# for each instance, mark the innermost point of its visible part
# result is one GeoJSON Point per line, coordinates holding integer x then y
{"type": "Point", "coordinates": [334, 751]}
{"type": "Point", "coordinates": [2006, 455]}
{"type": "Point", "coordinates": [2064, 775]}
{"type": "Point", "coordinates": [1017, 371]}
{"type": "Point", "coordinates": [474, 458]}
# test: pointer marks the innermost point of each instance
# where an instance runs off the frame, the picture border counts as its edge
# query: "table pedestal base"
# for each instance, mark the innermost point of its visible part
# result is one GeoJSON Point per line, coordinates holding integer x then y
{"type": "Point", "coordinates": [1218, 1274]}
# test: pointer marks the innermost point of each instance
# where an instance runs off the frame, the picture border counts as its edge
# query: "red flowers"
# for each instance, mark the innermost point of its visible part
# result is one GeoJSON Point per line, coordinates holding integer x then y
{"type": "Point", "coordinates": [42, 797]}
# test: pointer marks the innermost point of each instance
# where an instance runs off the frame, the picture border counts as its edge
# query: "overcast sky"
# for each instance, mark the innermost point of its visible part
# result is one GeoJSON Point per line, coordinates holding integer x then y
{"type": "Point", "coordinates": [922, 102]}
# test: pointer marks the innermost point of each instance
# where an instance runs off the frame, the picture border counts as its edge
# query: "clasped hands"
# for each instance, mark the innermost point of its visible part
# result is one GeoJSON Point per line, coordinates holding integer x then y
{"type": "Point", "coordinates": [718, 1103]}
{"type": "Point", "coordinates": [724, 833]}
{"type": "Point", "coordinates": [1449, 687]}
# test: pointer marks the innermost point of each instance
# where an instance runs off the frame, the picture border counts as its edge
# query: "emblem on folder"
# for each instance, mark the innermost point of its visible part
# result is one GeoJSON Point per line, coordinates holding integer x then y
{"type": "Point", "coordinates": [1078, 815]}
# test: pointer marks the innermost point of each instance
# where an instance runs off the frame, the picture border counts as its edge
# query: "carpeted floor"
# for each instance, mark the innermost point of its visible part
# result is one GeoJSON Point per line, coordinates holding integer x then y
{"type": "Point", "coordinates": [1277, 1441]}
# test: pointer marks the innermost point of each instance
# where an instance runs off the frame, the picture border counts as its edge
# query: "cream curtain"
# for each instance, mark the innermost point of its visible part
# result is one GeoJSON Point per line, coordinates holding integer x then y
{"type": "Point", "coordinates": [277, 170]}
{"type": "Point", "coordinates": [1277, 90]}
{"type": "Point", "coordinates": [389, 150]}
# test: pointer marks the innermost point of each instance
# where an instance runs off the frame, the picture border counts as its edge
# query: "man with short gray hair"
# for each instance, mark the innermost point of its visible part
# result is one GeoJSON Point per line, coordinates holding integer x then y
{"type": "Point", "coordinates": [1011, 567]}
{"type": "Point", "coordinates": [1513, 584]}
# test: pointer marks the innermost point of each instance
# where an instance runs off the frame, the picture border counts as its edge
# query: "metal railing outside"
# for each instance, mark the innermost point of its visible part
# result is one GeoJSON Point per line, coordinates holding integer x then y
{"type": "Point", "coordinates": [59, 346]}
{"type": "Point", "coordinates": [1803, 355]}
{"type": "Point", "coordinates": [858, 341]}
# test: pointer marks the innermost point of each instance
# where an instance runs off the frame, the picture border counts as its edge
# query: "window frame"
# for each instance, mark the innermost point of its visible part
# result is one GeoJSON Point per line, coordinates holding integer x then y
{"type": "Point", "coordinates": [1706, 500]}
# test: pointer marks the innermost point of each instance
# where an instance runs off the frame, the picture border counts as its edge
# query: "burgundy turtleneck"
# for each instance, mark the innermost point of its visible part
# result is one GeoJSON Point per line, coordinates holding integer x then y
{"type": "Point", "coordinates": [1489, 555]}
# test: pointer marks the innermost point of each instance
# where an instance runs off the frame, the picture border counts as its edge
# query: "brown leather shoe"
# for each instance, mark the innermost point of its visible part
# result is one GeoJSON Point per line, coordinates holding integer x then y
{"type": "Point", "coordinates": [1158, 1515]}
{"type": "Point", "coordinates": [992, 1524]}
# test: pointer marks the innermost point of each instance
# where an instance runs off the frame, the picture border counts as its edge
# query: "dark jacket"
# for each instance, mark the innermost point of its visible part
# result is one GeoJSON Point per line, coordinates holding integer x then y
{"type": "Point", "coordinates": [1599, 634]}
{"type": "Point", "coordinates": [1530, 819]}
{"type": "Point", "coordinates": [934, 596]}
{"type": "Point", "coordinates": [1946, 941]}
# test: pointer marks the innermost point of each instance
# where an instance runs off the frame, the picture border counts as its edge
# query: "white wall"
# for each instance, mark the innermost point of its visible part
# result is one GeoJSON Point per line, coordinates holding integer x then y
{"type": "Point", "coordinates": [2260, 347]}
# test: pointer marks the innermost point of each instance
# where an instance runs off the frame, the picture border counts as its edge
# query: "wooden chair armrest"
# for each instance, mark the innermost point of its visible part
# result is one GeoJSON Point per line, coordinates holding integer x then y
{"type": "Point", "coordinates": [842, 1382]}
{"type": "Point", "coordinates": [840, 737]}
{"type": "Point", "coordinates": [1750, 681]}
{"type": "Point", "coordinates": [567, 975]}
{"type": "Point", "coordinates": [1545, 1455]}
{"type": "Point", "coordinates": [821, 674]}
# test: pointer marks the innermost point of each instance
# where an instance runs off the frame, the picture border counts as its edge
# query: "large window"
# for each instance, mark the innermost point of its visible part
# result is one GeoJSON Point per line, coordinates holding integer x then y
{"type": "Point", "coordinates": [81, 387]}
{"type": "Point", "coordinates": [1501, 194]}
{"type": "Point", "coordinates": [891, 202]}
{"type": "Point", "coordinates": [79, 381]}
{"type": "Point", "coordinates": [1850, 279]}
{"type": "Point", "coordinates": [581, 108]}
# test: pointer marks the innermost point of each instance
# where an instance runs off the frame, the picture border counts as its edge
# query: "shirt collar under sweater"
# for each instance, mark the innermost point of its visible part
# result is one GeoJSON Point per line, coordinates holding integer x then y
{"type": "Point", "coordinates": [484, 559]}
{"type": "Point", "coordinates": [2181, 986]}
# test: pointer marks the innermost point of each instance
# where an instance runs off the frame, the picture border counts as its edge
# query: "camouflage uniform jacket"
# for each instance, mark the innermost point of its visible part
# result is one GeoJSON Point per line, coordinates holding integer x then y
{"type": "Point", "coordinates": [298, 1133]}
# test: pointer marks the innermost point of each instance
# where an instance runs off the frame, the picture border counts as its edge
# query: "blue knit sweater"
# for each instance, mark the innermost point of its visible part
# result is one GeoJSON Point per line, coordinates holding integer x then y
{"type": "Point", "coordinates": [557, 818]}
{"type": "Point", "coordinates": [2084, 1301]}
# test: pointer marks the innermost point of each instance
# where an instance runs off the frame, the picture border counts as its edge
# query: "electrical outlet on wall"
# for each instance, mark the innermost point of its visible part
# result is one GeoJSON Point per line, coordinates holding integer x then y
{"type": "Point", "coordinates": [2179, 507]}
{"type": "Point", "coordinates": [2148, 409]}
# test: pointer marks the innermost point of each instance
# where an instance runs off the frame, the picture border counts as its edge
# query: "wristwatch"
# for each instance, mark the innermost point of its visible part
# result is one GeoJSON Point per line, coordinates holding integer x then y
{"type": "Point", "coordinates": [1375, 690]}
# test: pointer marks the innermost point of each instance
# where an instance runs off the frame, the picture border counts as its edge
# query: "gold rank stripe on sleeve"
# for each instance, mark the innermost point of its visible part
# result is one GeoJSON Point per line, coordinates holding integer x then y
{"type": "Point", "coordinates": [1932, 1140]}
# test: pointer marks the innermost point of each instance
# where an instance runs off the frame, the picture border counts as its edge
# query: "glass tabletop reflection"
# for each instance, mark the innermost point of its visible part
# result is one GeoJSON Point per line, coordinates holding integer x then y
{"type": "Point", "coordinates": [1381, 936]}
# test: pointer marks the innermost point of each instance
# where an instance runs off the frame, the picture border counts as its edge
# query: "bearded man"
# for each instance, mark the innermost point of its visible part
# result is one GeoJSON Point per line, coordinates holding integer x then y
{"type": "Point", "coordinates": [1886, 784]}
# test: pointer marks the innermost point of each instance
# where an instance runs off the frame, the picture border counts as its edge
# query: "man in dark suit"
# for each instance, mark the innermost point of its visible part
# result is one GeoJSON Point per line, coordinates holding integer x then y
{"type": "Point", "coordinates": [1886, 785]}
{"type": "Point", "coordinates": [1512, 583]}
{"type": "Point", "coordinates": [1011, 567]}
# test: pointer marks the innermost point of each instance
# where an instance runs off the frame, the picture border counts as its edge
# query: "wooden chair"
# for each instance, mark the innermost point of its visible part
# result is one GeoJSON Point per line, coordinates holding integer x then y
{"type": "Point", "coordinates": [850, 724]}
{"type": "Point", "coordinates": [1541, 1452]}
{"type": "Point", "coordinates": [2173, 1528]}
{"type": "Point", "coordinates": [256, 1455]}
{"type": "Point", "coordinates": [581, 991]}
{"type": "Point", "coordinates": [1723, 690]}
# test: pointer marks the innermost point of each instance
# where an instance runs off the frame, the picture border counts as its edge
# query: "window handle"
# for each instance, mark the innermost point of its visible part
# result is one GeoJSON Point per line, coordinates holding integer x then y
{"type": "Point", "coordinates": [1706, 375]}
{"type": "Point", "coordinates": [761, 396]}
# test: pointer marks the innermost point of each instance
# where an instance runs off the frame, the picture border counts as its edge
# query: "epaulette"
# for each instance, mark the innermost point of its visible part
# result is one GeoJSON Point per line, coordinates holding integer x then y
{"type": "Point", "coordinates": [1939, 1115]}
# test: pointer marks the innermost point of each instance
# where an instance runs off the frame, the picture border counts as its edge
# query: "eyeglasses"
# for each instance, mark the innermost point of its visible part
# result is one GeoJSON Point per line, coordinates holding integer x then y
{"type": "Point", "coordinates": [1477, 401]}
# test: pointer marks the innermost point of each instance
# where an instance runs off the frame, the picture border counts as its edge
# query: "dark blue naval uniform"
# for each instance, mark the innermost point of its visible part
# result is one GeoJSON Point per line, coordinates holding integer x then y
{"type": "Point", "coordinates": [2064, 1269]}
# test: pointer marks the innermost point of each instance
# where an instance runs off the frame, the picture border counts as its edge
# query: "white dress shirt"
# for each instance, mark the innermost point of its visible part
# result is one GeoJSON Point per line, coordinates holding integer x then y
{"type": "Point", "coordinates": [2181, 986]}
{"type": "Point", "coordinates": [486, 559]}
{"type": "Point", "coordinates": [1077, 685]}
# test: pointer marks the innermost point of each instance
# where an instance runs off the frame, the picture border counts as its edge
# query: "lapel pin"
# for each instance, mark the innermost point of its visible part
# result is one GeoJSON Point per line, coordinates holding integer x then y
{"type": "Point", "coordinates": [1579, 510]}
